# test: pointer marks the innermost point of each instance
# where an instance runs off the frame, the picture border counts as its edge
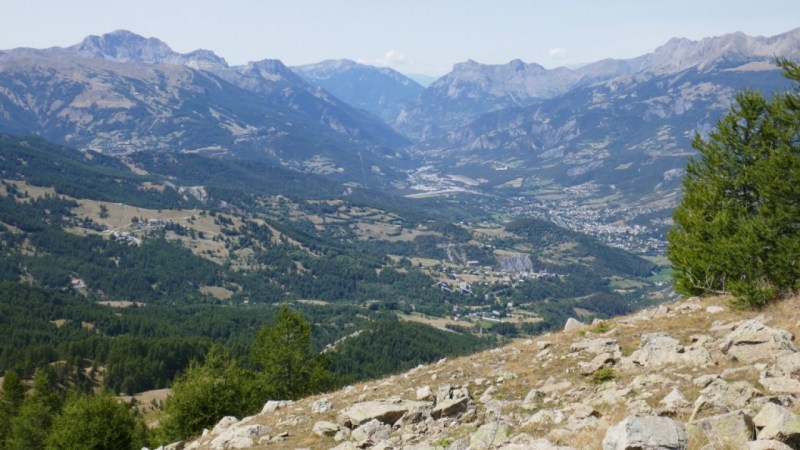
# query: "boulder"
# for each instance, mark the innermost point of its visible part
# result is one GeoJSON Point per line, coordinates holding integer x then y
{"type": "Point", "coordinates": [223, 424]}
{"type": "Point", "coordinates": [526, 442]}
{"type": "Point", "coordinates": [674, 404]}
{"type": "Point", "coordinates": [659, 349]}
{"type": "Point", "coordinates": [781, 385]}
{"type": "Point", "coordinates": [787, 365]}
{"type": "Point", "coordinates": [767, 445]}
{"type": "Point", "coordinates": [425, 394]}
{"type": "Point", "coordinates": [646, 433]}
{"type": "Point", "coordinates": [599, 361]}
{"type": "Point", "coordinates": [324, 428]}
{"type": "Point", "coordinates": [778, 423]}
{"type": "Point", "coordinates": [721, 397]}
{"type": "Point", "coordinates": [733, 429]}
{"type": "Point", "coordinates": [238, 437]}
{"type": "Point", "coordinates": [373, 431]}
{"type": "Point", "coordinates": [451, 407]}
{"type": "Point", "coordinates": [274, 405]}
{"type": "Point", "coordinates": [321, 406]}
{"type": "Point", "coordinates": [596, 346]}
{"type": "Point", "coordinates": [385, 411]}
{"type": "Point", "coordinates": [574, 325]}
{"type": "Point", "coordinates": [489, 435]}
{"type": "Point", "coordinates": [751, 340]}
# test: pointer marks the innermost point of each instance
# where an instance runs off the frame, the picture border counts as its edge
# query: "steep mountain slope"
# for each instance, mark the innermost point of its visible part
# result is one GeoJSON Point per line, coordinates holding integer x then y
{"type": "Point", "coordinates": [690, 375]}
{"type": "Point", "coordinates": [121, 93]}
{"type": "Point", "coordinates": [380, 90]}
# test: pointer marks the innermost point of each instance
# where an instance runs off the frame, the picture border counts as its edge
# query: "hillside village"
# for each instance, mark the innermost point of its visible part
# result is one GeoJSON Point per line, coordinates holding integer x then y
{"type": "Point", "coordinates": [695, 374]}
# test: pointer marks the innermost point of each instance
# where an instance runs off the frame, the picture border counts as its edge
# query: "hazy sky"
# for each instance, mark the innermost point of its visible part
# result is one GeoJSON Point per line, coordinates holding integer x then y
{"type": "Point", "coordinates": [413, 36]}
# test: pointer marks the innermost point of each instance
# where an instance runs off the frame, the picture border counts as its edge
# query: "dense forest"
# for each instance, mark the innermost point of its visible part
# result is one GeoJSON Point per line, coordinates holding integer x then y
{"type": "Point", "coordinates": [185, 288]}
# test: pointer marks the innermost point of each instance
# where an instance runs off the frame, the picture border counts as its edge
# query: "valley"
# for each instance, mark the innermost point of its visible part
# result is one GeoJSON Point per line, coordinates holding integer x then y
{"type": "Point", "coordinates": [163, 214]}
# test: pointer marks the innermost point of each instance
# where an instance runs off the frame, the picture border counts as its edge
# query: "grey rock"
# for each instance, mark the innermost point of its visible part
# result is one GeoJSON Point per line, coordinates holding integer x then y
{"type": "Point", "coordinates": [373, 431]}
{"type": "Point", "coordinates": [778, 423]}
{"type": "Point", "coordinates": [732, 429]}
{"type": "Point", "coordinates": [323, 428]}
{"type": "Point", "coordinates": [659, 349]}
{"type": "Point", "coordinates": [451, 407]}
{"type": "Point", "coordinates": [574, 325]}
{"type": "Point", "coordinates": [237, 437]}
{"type": "Point", "coordinates": [787, 365]}
{"type": "Point", "coordinates": [526, 442]}
{"type": "Point", "coordinates": [646, 433]}
{"type": "Point", "coordinates": [274, 405]}
{"type": "Point", "coordinates": [674, 404]}
{"type": "Point", "coordinates": [767, 445]}
{"type": "Point", "coordinates": [424, 393]}
{"type": "Point", "coordinates": [321, 406]}
{"type": "Point", "coordinates": [387, 412]}
{"type": "Point", "coordinates": [751, 340]}
{"type": "Point", "coordinates": [721, 397]}
{"type": "Point", "coordinates": [596, 346]}
{"type": "Point", "coordinates": [597, 363]}
{"type": "Point", "coordinates": [489, 435]}
{"type": "Point", "coordinates": [781, 385]}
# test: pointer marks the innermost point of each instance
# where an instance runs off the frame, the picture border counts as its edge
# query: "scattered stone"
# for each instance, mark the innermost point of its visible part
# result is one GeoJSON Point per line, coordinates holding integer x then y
{"type": "Point", "coordinates": [384, 411]}
{"type": "Point", "coordinates": [733, 429]}
{"type": "Point", "coordinates": [489, 436]}
{"type": "Point", "coordinates": [599, 361]}
{"type": "Point", "coordinates": [526, 442]}
{"type": "Point", "coordinates": [451, 407]}
{"type": "Point", "coordinates": [574, 325]}
{"type": "Point", "coordinates": [646, 433]}
{"type": "Point", "coordinates": [714, 309]}
{"type": "Point", "coordinates": [274, 405]}
{"type": "Point", "coordinates": [721, 397]}
{"type": "Point", "coordinates": [778, 423]}
{"type": "Point", "coordinates": [238, 437]}
{"type": "Point", "coordinates": [767, 445]}
{"type": "Point", "coordinates": [596, 346]}
{"type": "Point", "coordinates": [223, 424]}
{"type": "Point", "coordinates": [533, 398]}
{"type": "Point", "coordinates": [787, 365]}
{"type": "Point", "coordinates": [659, 349]}
{"type": "Point", "coordinates": [373, 431]}
{"type": "Point", "coordinates": [425, 394]}
{"type": "Point", "coordinates": [324, 428]}
{"type": "Point", "coordinates": [751, 340]}
{"type": "Point", "coordinates": [781, 385]}
{"type": "Point", "coordinates": [321, 406]}
{"type": "Point", "coordinates": [543, 345]}
{"type": "Point", "coordinates": [674, 404]}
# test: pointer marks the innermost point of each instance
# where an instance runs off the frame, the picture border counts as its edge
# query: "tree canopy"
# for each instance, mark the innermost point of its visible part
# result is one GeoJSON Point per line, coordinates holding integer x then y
{"type": "Point", "coordinates": [737, 228]}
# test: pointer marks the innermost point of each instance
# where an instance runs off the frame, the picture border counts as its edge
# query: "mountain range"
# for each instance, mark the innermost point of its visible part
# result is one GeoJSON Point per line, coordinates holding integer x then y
{"type": "Point", "coordinates": [613, 135]}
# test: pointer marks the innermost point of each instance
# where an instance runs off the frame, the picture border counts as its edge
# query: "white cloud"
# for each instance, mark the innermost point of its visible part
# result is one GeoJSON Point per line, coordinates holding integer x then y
{"type": "Point", "coordinates": [393, 59]}
{"type": "Point", "coordinates": [558, 53]}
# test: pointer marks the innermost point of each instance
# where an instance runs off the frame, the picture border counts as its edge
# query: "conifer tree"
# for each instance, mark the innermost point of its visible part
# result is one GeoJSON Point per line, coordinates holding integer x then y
{"type": "Point", "coordinates": [737, 228]}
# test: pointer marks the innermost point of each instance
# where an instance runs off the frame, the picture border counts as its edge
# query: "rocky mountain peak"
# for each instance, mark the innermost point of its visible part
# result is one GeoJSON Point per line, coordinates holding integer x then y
{"type": "Point", "coordinates": [125, 46]}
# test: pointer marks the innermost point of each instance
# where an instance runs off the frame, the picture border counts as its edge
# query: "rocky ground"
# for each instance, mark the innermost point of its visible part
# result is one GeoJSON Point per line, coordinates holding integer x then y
{"type": "Point", "coordinates": [695, 374]}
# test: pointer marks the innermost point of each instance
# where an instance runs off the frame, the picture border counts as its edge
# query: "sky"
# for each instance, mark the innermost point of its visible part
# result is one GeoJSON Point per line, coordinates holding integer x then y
{"type": "Point", "coordinates": [412, 36]}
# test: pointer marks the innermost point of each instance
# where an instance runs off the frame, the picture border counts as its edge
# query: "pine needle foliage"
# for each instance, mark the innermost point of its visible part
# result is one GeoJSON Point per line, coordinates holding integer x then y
{"type": "Point", "coordinates": [737, 228]}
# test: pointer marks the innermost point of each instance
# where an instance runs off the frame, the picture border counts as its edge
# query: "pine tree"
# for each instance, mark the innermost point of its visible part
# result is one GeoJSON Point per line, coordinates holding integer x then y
{"type": "Point", "coordinates": [95, 422]}
{"type": "Point", "coordinates": [737, 228]}
{"type": "Point", "coordinates": [288, 367]}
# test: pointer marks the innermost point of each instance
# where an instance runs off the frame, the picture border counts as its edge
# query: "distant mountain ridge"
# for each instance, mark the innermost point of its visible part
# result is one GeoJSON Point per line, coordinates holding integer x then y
{"type": "Point", "coordinates": [121, 92]}
{"type": "Point", "coordinates": [472, 89]}
{"type": "Point", "coordinates": [380, 90]}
